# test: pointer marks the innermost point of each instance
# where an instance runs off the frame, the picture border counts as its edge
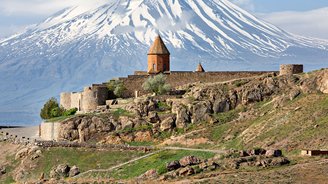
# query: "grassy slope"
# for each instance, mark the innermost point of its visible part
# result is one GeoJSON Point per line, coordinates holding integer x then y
{"type": "Point", "coordinates": [157, 161]}
{"type": "Point", "coordinates": [85, 159]}
{"type": "Point", "coordinates": [299, 124]}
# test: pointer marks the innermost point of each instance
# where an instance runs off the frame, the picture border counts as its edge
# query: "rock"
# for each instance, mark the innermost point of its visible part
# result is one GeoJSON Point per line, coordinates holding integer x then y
{"type": "Point", "coordinates": [126, 123]}
{"type": "Point", "coordinates": [143, 136]}
{"type": "Point", "coordinates": [258, 151]}
{"type": "Point", "coordinates": [153, 117]}
{"type": "Point", "coordinates": [60, 171]}
{"type": "Point", "coordinates": [208, 164]}
{"type": "Point", "coordinates": [186, 171]}
{"type": "Point", "coordinates": [243, 153]}
{"type": "Point", "coordinates": [35, 156]}
{"type": "Point", "coordinates": [221, 106]}
{"type": "Point", "coordinates": [2, 170]}
{"type": "Point", "coordinates": [22, 153]}
{"type": "Point", "coordinates": [74, 171]}
{"type": "Point", "coordinates": [39, 152]}
{"type": "Point", "coordinates": [273, 153]}
{"type": "Point", "coordinates": [41, 176]}
{"type": "Point", "coordinates": [294, 94]}
{"type": "Point", "coordinates": [174, 165]}
{"type": "Point", "coordinates": [280, 161]}
{"type": "Point", "coordinates": [189, 160]}
{"type": "Point", "coordinates": [112, 139]}
{"type": "Point", "coordinates": [199, 110]}
{"type": "Point", "coordinates": [167, 124]}
{"type": "Point", "coordinates": [151, 174]}
{"type": "Point", "coordinates": [183, 117]}
{"type": "Point", "coordinates": [276, 161]}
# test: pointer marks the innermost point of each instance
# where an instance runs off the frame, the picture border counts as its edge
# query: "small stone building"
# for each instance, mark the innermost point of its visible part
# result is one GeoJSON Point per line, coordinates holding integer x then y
{"type": "Point", "coordinates": [291, 69]}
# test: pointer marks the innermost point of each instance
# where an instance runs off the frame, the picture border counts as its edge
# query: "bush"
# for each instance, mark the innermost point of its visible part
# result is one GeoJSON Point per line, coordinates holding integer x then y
{"type": "Point", "coordinates": [117, 87]}
{"type": "Point", "coordinates": [51, 109]}
{"type": "Point", "coordinates": [70, 112]}
{"type": "Point", "coordinates": [157, 85]}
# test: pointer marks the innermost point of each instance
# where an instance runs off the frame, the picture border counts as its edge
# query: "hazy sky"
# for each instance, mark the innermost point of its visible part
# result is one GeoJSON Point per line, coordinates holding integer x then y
{"type": "Point", "coordinates": [304, 17]}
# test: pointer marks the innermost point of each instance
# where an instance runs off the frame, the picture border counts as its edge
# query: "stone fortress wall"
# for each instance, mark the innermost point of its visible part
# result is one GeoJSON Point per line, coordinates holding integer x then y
{"type": "Point", "coordinates": [86, 101]}
{"type": "Point", "coordinates": [175, 79]}
{"type": "Point", "coordinates": [97, 94]}
{"type": "Point", "coordinates": [291, 69]}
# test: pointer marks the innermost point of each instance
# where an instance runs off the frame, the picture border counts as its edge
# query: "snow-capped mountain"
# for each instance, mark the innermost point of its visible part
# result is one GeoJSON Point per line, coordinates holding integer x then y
{"type": "Point", "coordinates": [78, 46]}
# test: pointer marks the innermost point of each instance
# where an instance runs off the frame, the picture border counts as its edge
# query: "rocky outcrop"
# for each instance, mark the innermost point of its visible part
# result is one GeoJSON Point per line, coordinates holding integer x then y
{"type": "Point", "coordinates": [189, 160]}
{"type": "Point", "coordinates": [198, 105]}
{"type": "Point", "coordinates": [174, 165]}
{"type": "Point", "coordinates": [168, 124]}
{"type": "Point", "coordinates": [74, 171]}
{"type": "Point", "coordinates": [60, 171]}
{"type": "Point", "coordinates": [32, 151]}
{"type": "Point", "coordinates": [63, 171]}
{"type": "Point", "coordinates": [151, 174]}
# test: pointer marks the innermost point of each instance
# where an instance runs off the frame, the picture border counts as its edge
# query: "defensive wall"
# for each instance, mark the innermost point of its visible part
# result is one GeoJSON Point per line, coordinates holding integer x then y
{"type": "Point", "coordinates": [96, 95]}
{"type": "Point", "coordinates": [49, 131]}
{"type": "Point", "coordinates": [87, 100]}
{"type": "Point", "coordinates": [178, 78]}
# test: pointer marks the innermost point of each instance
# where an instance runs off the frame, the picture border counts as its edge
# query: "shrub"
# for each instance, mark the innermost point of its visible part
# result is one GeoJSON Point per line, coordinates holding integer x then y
{"type": "Point", "coordinates": [70, 112]}
{"type": "Point", "coordinates": [117, 87]}
{"type": "Point", "coordinates": [50, 109]}
{"type": "Point", "coordinates": [157, 85]}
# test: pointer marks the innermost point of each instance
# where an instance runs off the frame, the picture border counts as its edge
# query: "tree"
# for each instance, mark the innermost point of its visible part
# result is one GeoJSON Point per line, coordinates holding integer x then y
{"type": "Point", "coordinates": [157, 85]}
{"type": "Point", "coordinates": [51, 109]}
{"type": "Point", "coordinates": [117, 87]}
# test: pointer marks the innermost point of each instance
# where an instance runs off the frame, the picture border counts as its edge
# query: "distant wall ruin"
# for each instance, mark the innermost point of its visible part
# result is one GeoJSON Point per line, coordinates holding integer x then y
{"type": "Point", "coordinates": [291, 69]}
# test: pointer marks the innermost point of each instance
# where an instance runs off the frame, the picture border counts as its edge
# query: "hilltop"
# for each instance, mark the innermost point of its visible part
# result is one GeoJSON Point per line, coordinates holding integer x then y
{"type": "Point", "coordinates": [213, 121]}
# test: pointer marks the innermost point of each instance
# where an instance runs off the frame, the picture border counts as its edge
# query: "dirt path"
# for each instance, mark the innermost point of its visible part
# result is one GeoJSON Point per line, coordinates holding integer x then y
{"type": "Point", "coordinates": [194, 149]}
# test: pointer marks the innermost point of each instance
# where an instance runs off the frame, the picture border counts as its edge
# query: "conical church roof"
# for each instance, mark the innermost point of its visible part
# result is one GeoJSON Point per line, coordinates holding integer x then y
{"type": "Point", "coordinates": [200, 68]}
{"type": "Point", "coordinates": [159, 47]}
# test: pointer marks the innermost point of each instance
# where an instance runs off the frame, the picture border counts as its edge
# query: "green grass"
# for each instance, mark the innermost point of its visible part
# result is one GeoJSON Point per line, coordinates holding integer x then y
{"type": "Point", "coordinates": [157, 161]}
{"type": "Point", "coordinates": [59, 119]}
{"type": "Point", "coordinates": [163, 106]}
{"type": "Point", "coordinates": [226, 117]}
{"type": "Point", "coordinates": [85, 159]}
{"type": "Point", "coordinates": [121, 112]}
{"type": "Point", "coordinates": [8, 178]}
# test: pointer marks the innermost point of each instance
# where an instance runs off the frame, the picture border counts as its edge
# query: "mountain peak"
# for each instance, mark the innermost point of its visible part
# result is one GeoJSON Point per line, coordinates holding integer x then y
{"type": "Point", "coordinates": [83, 45]}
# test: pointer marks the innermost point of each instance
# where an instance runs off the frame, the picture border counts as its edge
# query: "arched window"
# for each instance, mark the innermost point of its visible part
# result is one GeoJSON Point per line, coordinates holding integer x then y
{"type": "Point", "coordinates": [154, 66]}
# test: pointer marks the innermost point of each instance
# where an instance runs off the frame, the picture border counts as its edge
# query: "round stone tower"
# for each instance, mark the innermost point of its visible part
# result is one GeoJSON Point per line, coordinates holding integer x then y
{"type": "Point", "coordinates": [94, 96]}
{"type": "Point", "coordinates": [290, 69]}
{"type": "Point", "coordinates": [89, 99]}
{"type": "Point", "coordinates": [158, 57]}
